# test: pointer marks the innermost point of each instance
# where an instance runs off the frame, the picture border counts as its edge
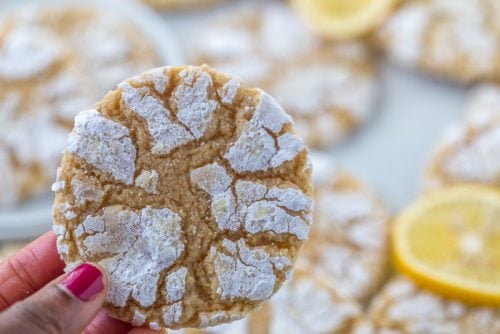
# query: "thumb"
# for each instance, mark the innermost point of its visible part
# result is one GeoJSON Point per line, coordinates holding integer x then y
{"type": "Point", "coordinates": [66, 305]}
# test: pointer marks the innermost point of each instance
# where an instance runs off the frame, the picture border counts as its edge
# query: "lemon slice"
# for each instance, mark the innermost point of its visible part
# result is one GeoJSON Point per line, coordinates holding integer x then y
{"type": "Point", "coordinates": [343, 19]}
{"type": "Point", "coordinates": [449, 242]}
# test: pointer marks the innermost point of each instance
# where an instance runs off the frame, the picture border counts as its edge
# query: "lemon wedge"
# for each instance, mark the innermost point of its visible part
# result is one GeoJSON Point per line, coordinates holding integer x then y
{"type": "Point", "coordinates": [343, 19]}
{"type": "Point", "coordinates": [449, 243]}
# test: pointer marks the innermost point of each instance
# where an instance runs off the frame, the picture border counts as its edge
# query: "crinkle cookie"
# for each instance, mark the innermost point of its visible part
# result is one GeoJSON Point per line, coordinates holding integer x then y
{"type": "Point", "coordinates": [181, 4]}
{"type": "Point", "coordinates": [348, 244]}
{"type": "Point", "coordinates": [306, 304]}
{"type": "Point", "coordinates": [458, 40]}
{"type": "Point", "coordinates": [191, 190]}
{"type": "Point", "coordinates": [55, 61]}
{"type": "Point", "coordinates": [469, 151]}
{"type": "Point", "coordinates": [403, 308]}
{"type": "Point", "coordinates": [328, 89]}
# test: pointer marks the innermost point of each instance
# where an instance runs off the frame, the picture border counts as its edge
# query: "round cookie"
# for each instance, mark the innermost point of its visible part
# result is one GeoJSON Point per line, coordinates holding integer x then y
{"type": "Point", "coordinates": [403, 308]}
{"type": "Point", "coordinates": [458, 40]}
{"type": "Point", "coordinates": [55, 61]}
{"type": "Point", "coordinates": [469, 151]}
{"type": "Point", "coordinates": [191, 190]}
{"type": "Point", "coordinates": [306, 304]}
{"type": "Point", "coordinates": [328, 89]}
{"type": "Point", "coordinates": [181, 4]}
{"type": "Point", "coordinates": [348, 243]}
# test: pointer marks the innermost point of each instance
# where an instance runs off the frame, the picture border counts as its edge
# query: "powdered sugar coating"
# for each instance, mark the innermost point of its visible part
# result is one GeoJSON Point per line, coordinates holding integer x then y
{"type": "Point", "coordinates": [312, 80]}
{"type": "Point", "coordinates": [28, 52]}
{"type": "Point", "coordinates": [469, 151]}
{"type": "Point", "coordinates": [305, 305]}
{"type": "Point", "coordinates": [104, 144]}
{"type": "Point", "coordinates": [113, 234]}
{"type": "Point", "coordinates": [256, 149]}
{"type": "Point", "coordinates": [243, 272]}
{"type": "Point", "coordinates": [404, 307]}
{"type": "Point", "coordinates": [46, 55]}
{"type": "Point", "coordinates": [349, 240]}
{"type": "Point", "coordinates": [255, 207]}
{"type": "Point", "coordinates": [195, 108]}
{"type": "Point", "coordinates": [148, 180]}
{"type": "Point", "coordinates": [456, 39]}
{"type": "Point", "coordinates": [188, 217]}
{"type": "Point", "coordinates": [229, 91]}
{"type": "Point", "coordinates": [166, 133]}
{"type": "Point", "coordinates": [84, 192]}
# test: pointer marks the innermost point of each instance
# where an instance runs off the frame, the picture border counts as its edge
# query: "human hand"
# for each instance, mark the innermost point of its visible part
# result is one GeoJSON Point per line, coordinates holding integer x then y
{"type": "Point", "coordinates": [35, 296]}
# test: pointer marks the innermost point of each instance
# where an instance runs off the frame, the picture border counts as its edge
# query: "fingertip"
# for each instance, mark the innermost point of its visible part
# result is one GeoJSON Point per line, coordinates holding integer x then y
{"type": "Point", "coordinates": [85, 282]}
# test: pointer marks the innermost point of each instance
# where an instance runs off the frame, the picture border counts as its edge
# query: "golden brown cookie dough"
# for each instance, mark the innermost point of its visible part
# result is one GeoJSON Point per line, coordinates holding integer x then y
{"type": "Point", "coordinates": [329, 89]}
{"type": "Point", "coordinates": [191, 190]}
{"type": "Point", "coordinates": [55, 61]}
{"type": "Point", "coordinates": [458, 40]}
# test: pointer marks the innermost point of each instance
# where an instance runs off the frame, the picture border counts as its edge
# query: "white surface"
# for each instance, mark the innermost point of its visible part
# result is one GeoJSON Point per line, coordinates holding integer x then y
{"type": "Point", "coordinates": [34, 217]}
{"type": "Point", "coordinates": [388, 154]}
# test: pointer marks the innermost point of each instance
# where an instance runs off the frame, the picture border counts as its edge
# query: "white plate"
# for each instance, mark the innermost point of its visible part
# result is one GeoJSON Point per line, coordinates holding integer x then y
{"type": "Point", "coordinates": [34, 217]}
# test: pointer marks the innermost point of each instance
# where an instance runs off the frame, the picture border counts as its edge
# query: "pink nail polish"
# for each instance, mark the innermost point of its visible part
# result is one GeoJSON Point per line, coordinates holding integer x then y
{"type": "Point", "coordinates": [84, 282]}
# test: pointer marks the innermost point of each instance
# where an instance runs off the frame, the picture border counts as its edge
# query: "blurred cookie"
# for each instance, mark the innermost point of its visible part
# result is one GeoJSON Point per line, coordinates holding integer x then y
{"type": "Point", "coordinates": [403, 308]}
{"type": "Point", "coordinates": [348, 243]}
{"type": "Point", "coordinates": [53, 63]}
{"type": "Point", "coordinates": [191, 190]}
{"type": "Point", "coordinates": [328, 89]}
{"type": "Point", "coordinates": [306, 304]}
{"type": "Point", "coordinates": [181, 4]}
{"type": "Point", "coordinates": [458, 40]}
{"type": "Point", "coordinates": [483, 103]}
{"type": "Point", "coordinates": [469, 151]}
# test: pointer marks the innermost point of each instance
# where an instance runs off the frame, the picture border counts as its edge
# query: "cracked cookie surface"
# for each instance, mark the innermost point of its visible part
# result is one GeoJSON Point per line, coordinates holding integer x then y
{"type": "Point", "coordinates": [191, 190]}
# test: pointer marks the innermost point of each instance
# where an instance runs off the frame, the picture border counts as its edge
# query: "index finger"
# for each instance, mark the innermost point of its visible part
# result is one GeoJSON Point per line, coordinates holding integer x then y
{"type": "Point", "coordinates": [29, 270]}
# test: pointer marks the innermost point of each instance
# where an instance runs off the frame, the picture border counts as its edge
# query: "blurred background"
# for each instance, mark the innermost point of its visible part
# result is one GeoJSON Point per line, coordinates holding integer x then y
{"type": "Point", "coordinates": [373, 86]}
